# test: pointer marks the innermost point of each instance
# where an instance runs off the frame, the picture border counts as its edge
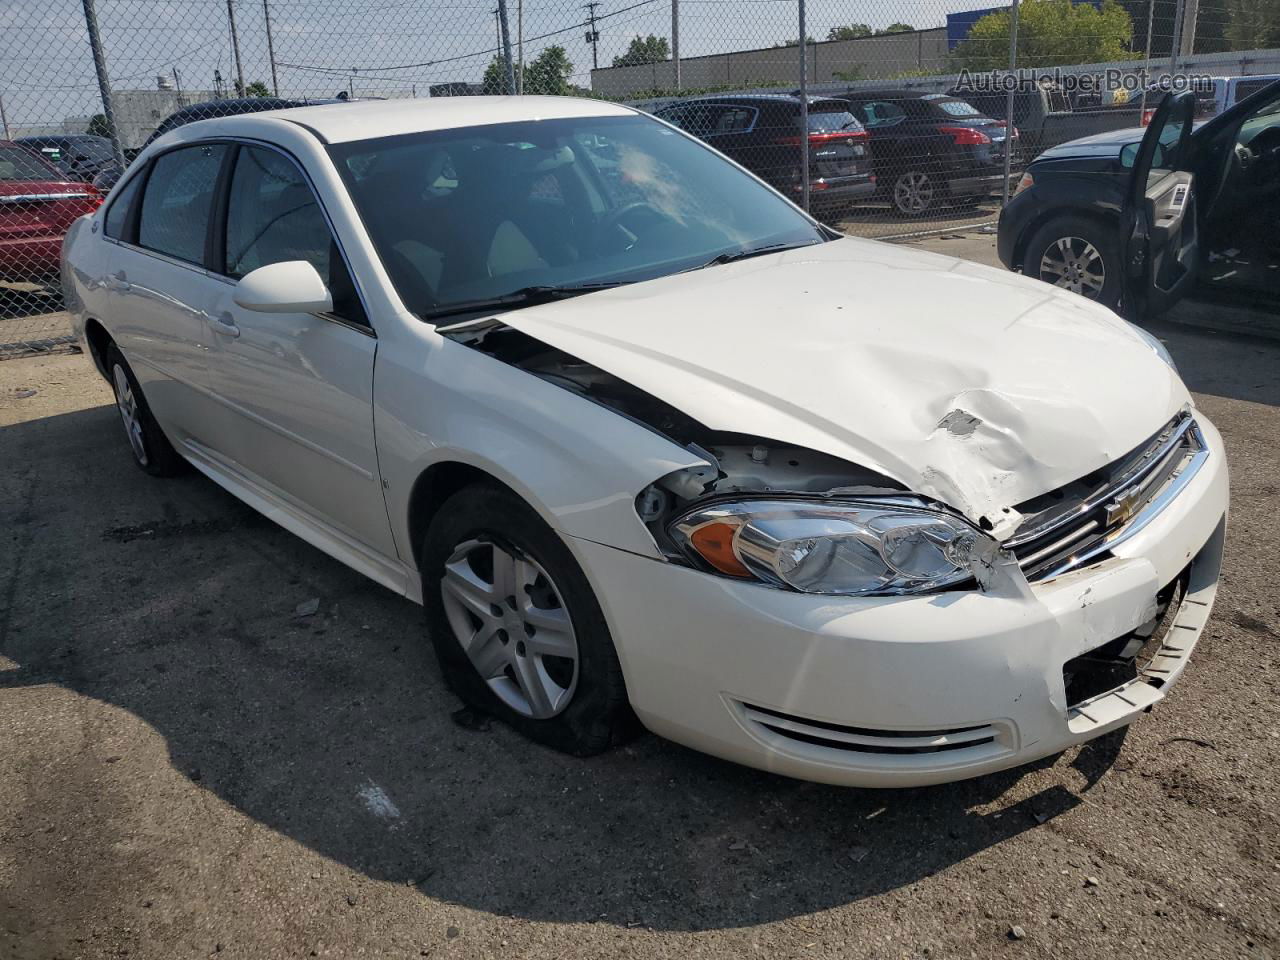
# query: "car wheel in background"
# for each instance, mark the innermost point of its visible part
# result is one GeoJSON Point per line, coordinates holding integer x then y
{"type": "Point", "coordinates": [150, 447]}
{"type": "Point", "coordinates": [516, 627]}
{"type": "Point", "coordinates": [1079, 255]}
{"type": "Point", "coordinates": [914, 192]}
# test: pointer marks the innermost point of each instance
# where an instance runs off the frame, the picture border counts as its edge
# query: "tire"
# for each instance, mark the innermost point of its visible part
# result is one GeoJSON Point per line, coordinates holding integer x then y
{"type": "Point", "coordinates": [151, 449]}
{"type": "Point", "coordinates": [577, 704]}
{"type": "Point", "coordinates": [1070, 251]}
{"type": "Point", "coordinates": [916, 191]}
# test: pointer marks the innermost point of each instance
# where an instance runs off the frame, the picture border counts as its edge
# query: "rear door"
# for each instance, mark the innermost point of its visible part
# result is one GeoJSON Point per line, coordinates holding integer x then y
{"type": "Point", "coordinates": [1159, 229]}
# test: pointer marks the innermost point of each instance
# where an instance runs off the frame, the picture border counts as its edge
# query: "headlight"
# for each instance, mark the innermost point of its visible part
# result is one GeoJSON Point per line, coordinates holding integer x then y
{"type": "Point", "coordinates": [1156, 346]}
{"type": "Point", "coordinates": [1027, 181]}
{"type": "Point", "coordinates": [833, 547]}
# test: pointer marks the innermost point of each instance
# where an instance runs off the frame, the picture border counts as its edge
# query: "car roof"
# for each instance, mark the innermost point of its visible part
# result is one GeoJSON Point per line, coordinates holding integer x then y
{"type": "Point", "coordinates": [892, 94]}
{"type": "Point", "coordinates": [371, 119]}
{"type": "Point", "coordinates": [750, 97]}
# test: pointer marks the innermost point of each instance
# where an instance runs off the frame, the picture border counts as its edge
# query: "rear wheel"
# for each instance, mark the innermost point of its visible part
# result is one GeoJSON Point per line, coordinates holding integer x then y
{"type": "Point", "coordinates": [915, 192]}
{"type": "Point", "coordinates": [1079, 255]}
{"type": "Point", "coordinates": [150, 447]}
{"type": "Point", "coordinates": [516, 627]}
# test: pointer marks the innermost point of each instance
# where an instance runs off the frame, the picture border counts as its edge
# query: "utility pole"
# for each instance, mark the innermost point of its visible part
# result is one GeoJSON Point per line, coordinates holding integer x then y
{"type": "Point", "coordinates": [235, 48]}
{"type": "Point", "coordinates": [1008, 105]}
{"type": "Point", "coordinates": [1189, 18]}
{"type": "Point", "coordinates": [804, 115]}
{"type": "Point", "coordinates": [271, 49]}
{"type": "Point", "coordinates": [4, 119]}
{"type": "Point", "coordinates": [504, 42]}
{"type": "Point", "coordinates": [1175, 46]}
{"type": "Point", "coordinates": [593, 35]}
{"type": "Point", "coordinates": [520, 47]}
{"type": "Point", "coordinates": [675, 41]}
{"type": "Point", "coordinates": [177, 86]}
{"type": "Point", "coordinates": [104, 84]}
{"type": "Point", "coordinates": [1146, 81]}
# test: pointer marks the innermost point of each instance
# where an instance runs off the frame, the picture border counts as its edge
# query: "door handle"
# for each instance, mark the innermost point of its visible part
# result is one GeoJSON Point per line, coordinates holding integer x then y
{"type": "Point", "coordinates": [223, 323]}
{"type": "Point", "coordinates": [117, 281]}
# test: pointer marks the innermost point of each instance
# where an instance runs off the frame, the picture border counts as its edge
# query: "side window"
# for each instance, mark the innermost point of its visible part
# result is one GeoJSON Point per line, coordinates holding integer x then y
{"type": "Point", "coordinates": [178, 200]}
{"type": "Point", "coordinates": [272, 216]}
{"type": "Point", "coordinates": [118, 212]}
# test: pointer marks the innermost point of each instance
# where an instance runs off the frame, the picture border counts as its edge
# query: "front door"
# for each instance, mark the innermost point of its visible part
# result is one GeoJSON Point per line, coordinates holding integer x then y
{"type": "Point", "coordinates": [1159, 228]}
{"type": "Point", "coordinates": [300, 384]}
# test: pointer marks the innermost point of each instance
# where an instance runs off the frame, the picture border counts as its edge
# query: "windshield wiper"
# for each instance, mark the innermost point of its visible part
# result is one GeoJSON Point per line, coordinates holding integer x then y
{"type": "Point", "coordinates": [524, 297]}
{"type": "Point", "coordinates": [736, 255]}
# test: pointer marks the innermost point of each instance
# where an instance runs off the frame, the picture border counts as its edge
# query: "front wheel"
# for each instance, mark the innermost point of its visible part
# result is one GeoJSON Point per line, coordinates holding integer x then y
{"type": "Point", "coordinates": [1079, 255]}
{"type": "Point", "coordinates": [516, 627]}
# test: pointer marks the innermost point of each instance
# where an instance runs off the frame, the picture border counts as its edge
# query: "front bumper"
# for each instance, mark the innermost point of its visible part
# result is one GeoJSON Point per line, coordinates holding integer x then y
{"type": "Point", "coordinates": [914, 690]}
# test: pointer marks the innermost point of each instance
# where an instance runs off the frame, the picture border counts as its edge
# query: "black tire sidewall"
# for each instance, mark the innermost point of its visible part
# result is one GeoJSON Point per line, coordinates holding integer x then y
{"type": "Point", "coordinates": [599, 713]}
{"type": "Point", "coordinates": [1104, 240]}
{"type": "Point", "coordinates": [162, 459]}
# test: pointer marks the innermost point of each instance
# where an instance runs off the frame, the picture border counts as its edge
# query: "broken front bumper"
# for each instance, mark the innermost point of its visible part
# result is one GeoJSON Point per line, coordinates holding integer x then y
{"type": "Point", "coordinates": [899, 691]}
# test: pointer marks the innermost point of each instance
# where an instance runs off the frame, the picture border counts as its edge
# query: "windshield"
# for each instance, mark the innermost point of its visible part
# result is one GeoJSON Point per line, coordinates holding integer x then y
{"type": "Point", "coordinates": [958, 108]}
{"type": "Point", "coordinates": [481, 212]}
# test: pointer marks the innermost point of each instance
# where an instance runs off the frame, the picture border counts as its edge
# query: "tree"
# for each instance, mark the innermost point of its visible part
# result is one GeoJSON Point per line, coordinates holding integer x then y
{"type": "Point", "coordinates": [650, 49]}
{"type": "Point", "coordinates": [1253, 24]}
{"type": "Point", "coordinates": [98, 126]}
{"type": "Point", "coordinates": [494, 81]}
{"type": "Point", "coordinates": [794, 43]}
{"type": "Point", "coordinates": [549, 73]}
{"type": "Point", "coordinates": [853, 31]}
{"type": "Point", "coordinates": [896, 28]}
{"type": "Point", "coordinates": [257, 89]}
{"type": "Point", "coordinates": [1051, 33]}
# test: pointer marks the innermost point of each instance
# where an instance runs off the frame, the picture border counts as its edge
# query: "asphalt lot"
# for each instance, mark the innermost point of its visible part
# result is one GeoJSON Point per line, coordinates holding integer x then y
{"type": "Point", "coordinates": [189, 769]}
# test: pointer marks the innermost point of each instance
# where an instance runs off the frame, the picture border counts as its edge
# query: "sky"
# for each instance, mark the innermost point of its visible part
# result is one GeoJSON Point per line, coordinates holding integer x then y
{"type": "Point", "coordinates": [395, 46]}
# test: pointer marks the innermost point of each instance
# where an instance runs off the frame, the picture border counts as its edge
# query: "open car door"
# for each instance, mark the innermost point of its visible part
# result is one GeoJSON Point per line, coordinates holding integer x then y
{"type": "Point", "coordinates": [1159, 232]}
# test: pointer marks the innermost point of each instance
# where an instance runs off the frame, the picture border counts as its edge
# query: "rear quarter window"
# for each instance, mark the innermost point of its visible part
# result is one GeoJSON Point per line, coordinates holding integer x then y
{"type": "Point", "coordinates": [20, 164]}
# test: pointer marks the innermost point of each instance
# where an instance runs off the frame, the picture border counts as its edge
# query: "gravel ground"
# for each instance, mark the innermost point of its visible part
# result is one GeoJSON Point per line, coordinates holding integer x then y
{"type": "Point", "coordinates": [188, 768]}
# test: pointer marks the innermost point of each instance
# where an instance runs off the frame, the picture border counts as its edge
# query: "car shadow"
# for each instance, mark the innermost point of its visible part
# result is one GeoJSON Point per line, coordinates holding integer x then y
{"type": "Point", "coordinates": [191, 612]}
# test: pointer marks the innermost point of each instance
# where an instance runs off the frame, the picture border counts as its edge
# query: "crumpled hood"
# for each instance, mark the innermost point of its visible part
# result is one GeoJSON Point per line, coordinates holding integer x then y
{"type": "Point", "coordinates": [976, 387]}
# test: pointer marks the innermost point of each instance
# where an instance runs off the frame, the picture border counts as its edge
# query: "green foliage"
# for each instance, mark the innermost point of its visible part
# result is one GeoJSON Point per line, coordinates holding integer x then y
{"type": "Point", "coordinates": [257, 89]}
{"type": "Point", "coordinates": [549, 73]}
{"type": "Point", "coordinates": [98, 126]}
{"type": "Point", "coordinates": [856, 71]}
{"type": "Point", "coordinates": [794, 43]}
{"type": "Point", "coordinates": [896, 28]}
{"type": "Point", "coordinates": [494, 81]}
{"type": "Point", "coordinates": [1050, 33]}
{"type": "Point", "coordinates": [851, 32]}
{"type": "Point", "coordinates": [1253, 24]}
{"type": "Point", "coordinates": [650, 49]}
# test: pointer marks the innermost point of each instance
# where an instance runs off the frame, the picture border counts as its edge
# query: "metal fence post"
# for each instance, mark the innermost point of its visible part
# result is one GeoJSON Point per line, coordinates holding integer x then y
{"type": "Point", "coordinates": [1008, 109]}
{"type": "Point", "coordinates": [675, 41]}
{"type": "Point", "coordinates": [104, 84]}
{"type": "Point", "coordinates": [271, 48]}
{"type": "Point", "coordinates": [804, 115]}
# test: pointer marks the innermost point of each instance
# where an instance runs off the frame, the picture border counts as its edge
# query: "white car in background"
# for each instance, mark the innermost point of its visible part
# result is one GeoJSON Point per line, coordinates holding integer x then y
{"type": "Point", "coordinates": [647, 441]}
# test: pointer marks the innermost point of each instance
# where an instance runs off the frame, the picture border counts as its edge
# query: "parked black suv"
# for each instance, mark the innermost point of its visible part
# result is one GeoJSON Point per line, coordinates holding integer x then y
{"type": "Point", "coordinates": [930, 148]}
{"type": "Point", "coordinates": [1133, 219]}
{"type": "Point", "coordinates": [762, 132]}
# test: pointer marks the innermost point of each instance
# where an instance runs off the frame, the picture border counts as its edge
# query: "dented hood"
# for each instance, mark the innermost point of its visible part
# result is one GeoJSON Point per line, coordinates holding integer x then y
{"type": "Point", "coordinates": [976, 387]}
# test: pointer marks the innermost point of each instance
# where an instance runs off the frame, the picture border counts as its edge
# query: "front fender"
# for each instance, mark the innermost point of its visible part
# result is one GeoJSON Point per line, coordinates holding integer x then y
{"type": "Point", "coordinates": [580, 465]}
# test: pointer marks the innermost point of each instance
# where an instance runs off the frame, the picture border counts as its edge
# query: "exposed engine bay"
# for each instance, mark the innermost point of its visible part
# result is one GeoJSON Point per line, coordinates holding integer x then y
{"type": "Point", "coordinates": [735, 463]}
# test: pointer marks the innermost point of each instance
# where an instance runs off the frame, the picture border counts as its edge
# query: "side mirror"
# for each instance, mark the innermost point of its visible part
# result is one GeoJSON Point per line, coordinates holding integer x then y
{"type": "Point", "coordinates": [293, 286]}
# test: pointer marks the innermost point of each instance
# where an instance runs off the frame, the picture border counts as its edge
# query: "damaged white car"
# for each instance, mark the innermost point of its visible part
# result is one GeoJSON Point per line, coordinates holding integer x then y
{"type": "Point", "coordinates": [648, 442]}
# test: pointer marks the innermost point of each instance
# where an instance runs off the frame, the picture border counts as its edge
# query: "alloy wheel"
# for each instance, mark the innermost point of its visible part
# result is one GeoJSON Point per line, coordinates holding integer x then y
{"type": "Point", "coordinates": [913, 192]}
{"type": "Point", "coordinates": [1074, 264]}
{"type": "Point", "coordinates": [509, 617]}
{"type": "Point", "coordinates": [130, 413]}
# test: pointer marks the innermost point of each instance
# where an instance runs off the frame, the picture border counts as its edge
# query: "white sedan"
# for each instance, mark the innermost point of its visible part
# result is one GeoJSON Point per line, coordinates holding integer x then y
{"type": "Point", "coordinates": [648, 442]}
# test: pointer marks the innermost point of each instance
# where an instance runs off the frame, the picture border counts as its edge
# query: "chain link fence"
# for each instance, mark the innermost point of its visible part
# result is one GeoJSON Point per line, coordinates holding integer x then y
{"type": "Point", "coordinates": [901, 130]}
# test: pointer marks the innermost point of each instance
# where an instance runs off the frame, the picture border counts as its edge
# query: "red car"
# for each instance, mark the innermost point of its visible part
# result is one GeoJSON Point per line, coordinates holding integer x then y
{"type": "Point", "coordinates": [37, 205]}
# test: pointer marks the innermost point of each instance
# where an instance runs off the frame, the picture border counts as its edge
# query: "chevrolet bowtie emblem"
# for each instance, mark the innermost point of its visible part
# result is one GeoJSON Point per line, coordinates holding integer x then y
{"type": "Point", "coordinates": [1124, 506]}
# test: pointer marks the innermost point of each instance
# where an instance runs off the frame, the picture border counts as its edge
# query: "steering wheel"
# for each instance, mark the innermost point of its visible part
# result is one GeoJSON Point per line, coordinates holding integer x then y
{"type": "Point", "coordinates": [616, 221]}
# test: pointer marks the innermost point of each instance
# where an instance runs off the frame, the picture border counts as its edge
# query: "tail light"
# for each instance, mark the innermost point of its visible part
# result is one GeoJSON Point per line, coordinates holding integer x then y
{"type": "Point", "coordinates": [93, 196]}
{"type": "Point", "coordinates": [965, 136]}
{"type": "Point", "coordinates": [1026, 181]}
{"type": "Point", "coordinates": [1147, 115]}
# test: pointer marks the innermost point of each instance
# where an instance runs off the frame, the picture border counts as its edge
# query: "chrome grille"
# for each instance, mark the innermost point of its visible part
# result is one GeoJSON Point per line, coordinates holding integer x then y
{"type": "Point", "coordinates": [1070, 527]}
